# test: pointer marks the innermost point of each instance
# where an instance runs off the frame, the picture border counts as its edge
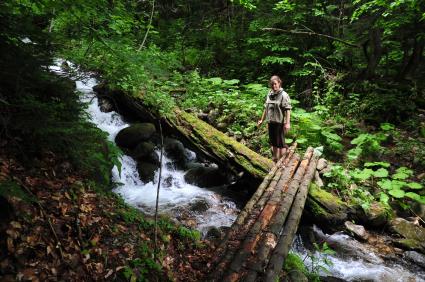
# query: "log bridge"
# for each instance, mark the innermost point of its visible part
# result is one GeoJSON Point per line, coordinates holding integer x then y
{"type": "Point", "coordinates": [258, 242]}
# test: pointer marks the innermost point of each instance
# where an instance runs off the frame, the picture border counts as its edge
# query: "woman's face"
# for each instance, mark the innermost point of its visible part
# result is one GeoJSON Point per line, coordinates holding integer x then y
{"type": "Point", "coordinates": [275, 85]}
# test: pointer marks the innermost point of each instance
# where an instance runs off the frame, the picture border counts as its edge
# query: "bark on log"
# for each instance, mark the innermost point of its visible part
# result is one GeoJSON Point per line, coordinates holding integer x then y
{"type": "Point", "coordinates": [246, 219]}
{"type": "Point", "coordinates": [259, 259]}
{"type": "Point", "coordinates": [291, 226]}
{"type": "Point", "coordinates": [253, 255]}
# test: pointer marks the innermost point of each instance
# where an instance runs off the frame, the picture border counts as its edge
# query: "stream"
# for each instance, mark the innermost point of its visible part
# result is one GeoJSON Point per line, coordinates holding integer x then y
{"type": "Point", "coordinates": [352, 262]}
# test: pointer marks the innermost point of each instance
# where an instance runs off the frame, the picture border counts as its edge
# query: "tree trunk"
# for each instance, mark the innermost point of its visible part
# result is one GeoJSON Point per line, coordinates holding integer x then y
{"type": "Point", "coordinates": [409, 65]}
{"type": "Point", "coordinates": [374, 55]}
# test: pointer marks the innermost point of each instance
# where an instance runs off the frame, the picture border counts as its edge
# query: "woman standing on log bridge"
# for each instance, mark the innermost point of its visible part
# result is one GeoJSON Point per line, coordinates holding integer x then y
{"type": "Point", "coordinates": [277, 111]}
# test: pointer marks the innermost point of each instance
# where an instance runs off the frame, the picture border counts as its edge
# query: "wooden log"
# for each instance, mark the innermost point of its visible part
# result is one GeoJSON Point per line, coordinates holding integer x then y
{"type": "Point", "coordinates": [224, 150]}
{"type": "Point", "coordinates": [256, 234]}
{"type": "Point", "coordinates": [285, 241]}
{"type": "Point", "coordinates": [239, 231]}
{"type": "Point", "coordinates": [259, 258]}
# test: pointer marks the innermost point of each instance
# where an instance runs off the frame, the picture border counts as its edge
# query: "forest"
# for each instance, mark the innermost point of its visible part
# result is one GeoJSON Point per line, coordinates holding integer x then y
{"type": "Point", "coordinates": [105, 103]}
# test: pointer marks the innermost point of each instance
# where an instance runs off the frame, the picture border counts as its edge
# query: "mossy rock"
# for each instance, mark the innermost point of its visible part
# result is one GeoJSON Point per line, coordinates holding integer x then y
{"type": "Point", "coordinates": [143, 149]}
{"type": "Point", "coordinates": [376, 216]}
{"type": "Point", "coordinates": [130, 136]}
{"type": "Point", "coordinates": [410, 244]}
{"type": "Point", "coordinates": [205, 177]}
{"type": "Point", "coordinates": [147, 171]}
{"type": "Point", "coordinates": [325, 207]}
{"type": "Point", "coordinates": [407, 229]}
{"type": "Point", "coordinates": [175, 150]}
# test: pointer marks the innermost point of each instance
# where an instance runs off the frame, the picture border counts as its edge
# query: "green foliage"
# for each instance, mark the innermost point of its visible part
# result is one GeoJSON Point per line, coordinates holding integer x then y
{"type": "Point", "coordinates": [366, 185]}
{"type": "Point", "coordinates": [321, 262]}
{"type": "Point", "coordinates": [294, 262]}
{"type": "Point", "coordinates": [12, 189]}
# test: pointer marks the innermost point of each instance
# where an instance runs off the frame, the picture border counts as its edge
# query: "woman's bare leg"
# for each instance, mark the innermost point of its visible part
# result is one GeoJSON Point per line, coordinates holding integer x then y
{"type": "Point", "coordinates": [275, 151]}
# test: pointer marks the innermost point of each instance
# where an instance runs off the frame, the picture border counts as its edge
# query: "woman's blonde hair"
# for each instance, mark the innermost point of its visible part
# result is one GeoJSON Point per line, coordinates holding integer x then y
{"type": "Point", "coordinates": [275, 78]}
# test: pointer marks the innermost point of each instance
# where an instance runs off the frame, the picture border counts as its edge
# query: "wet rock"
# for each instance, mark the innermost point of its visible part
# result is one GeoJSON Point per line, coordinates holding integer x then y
{"type": "Point", "coordinates": [199, 206]}
{"type": "Point", "coordinates": [326, 169]}
{"type": "Point", "coordinates": [214, 234]}
{"type": "Point", "coordinates": [375, 216]}
{"type": "Point", "coordinates": [318, 180]}
{"type": "Point", "coordinates": [221, 125]}
{"type": "Point", "coordinates": [143, 149]}
{"type": "Point", "coordinates": [134, 134]}
{"type": "Point", "coordinates": [191, 165]}
{"type": "Point", "coordinates": [410, 244]}
{"type": "Point", "coordinates": [413, 235]}
{"type": "Point", "coordinates": [331, 279]}
{"type": "Point", "coordinates": [407, 229]}
{"type": "Point", "coordinates": [205, 177]}
{"type": "Point", "coordinates": [191, 223]}
{"type": "Point", "coordinates": [321, 164]}
{"type": "Point", "coordinates": [105, 105]}
{"type": "Point", "coordinates": [167, 182]}
{"type": "Point", "coordinates": [176, 151]}
{"type": "Point", "coordinates": [202, 116]}
{"type": "Point", "coordinates": [212, 116]}
{"type": "Point", "coordinates": [357, 230]}
{"type": "Point", "coordinates": [297, 275]}
{"type": "Point", "coordinates": [238, 136]}
{"type": "Point", "coordinates": [417, 258]}
{"type": "Point", "coordinates": [418, 209]}
{"type": "Point", "coordinates": [146, 171]}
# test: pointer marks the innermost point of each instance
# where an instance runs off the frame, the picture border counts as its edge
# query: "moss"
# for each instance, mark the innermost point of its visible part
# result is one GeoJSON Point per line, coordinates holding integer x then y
{"type": "Point", "coordinates": [296, 270]}
{"type": "Point", "coordinates": [411, 244]}
{"type": "Point", "coordinates": [294, 262]}
{"type": "Point", "coordinates": [224, 147]}
{"type": "Point", "coordinates": [324, 196]}
{"type": "Point", "coordinates": [325, 207]}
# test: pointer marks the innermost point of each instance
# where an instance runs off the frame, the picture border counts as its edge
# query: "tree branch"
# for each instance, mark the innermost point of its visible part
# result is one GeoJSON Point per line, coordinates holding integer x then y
{"type": "Point", "coordinates": [149, 26]}
{"type": "Point", "coordinates": [311, 33]}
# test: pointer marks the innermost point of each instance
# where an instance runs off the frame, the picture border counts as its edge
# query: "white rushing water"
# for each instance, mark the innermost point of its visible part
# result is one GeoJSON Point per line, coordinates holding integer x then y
{"type": "Point", "coordinates": [174, 196]}
{"type": "Point", "coordinates": [354, 261]}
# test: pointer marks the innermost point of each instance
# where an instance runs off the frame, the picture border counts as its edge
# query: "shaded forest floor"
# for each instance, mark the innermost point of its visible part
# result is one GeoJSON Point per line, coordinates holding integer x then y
{"type": "Point", "coordinates": [56, 226]}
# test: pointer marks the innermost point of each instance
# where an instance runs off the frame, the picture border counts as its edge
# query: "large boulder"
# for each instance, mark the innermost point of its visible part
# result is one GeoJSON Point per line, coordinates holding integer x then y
{"type": "Point", "coordinates": [145, 152]}
{"type": "Point", "coordinates": [376, 215]}
{"type": "Point", "coordinates": [130, 136]}
{"type": "Point", "coordinates": [176, 152]}
{"type": "Point", "coordinates": [143, 149]}
{"type": "Point", "coordinates": [205, 177]}
{"type": "Point", "coordinates": [325, 208]}
{"type": "Point", "coordinates": [413, 235]}
{"type": "Point", "coordinates": [146, 171]}
{"type": "Point", "coordinates": [105, 105]}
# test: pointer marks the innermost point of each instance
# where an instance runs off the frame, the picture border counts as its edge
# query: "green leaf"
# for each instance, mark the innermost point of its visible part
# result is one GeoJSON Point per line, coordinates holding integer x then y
{"type": "Point", "coordinates": [396, 193]}
{"type": "Point", "coordinates": [398, 184]}
{"type": "Point", "coordinates": [413, 196]}
{"type": "Point", "coordinates": [353, 154]}
{"type": "Point", "coordinates": [277, 60]}
{"type": "Point", "coordinates": [231, 81]}
{"type": "Point", "coordinates": [414, 185]}
{"type": "Point", "coordinates": [385, 184]}
{"type": "Point", "coordinates": [362, 174]}
{"type": "Point", "coordinates": [384, 198]}
{"type": "Point", "coordinates": [382, 172]}
{"type": "Point", "coordinates": [382, 164]}
{"type": "Point", "coordinates": [387, 126]}
{"type": "Point", "coordinates": [402, 173]}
